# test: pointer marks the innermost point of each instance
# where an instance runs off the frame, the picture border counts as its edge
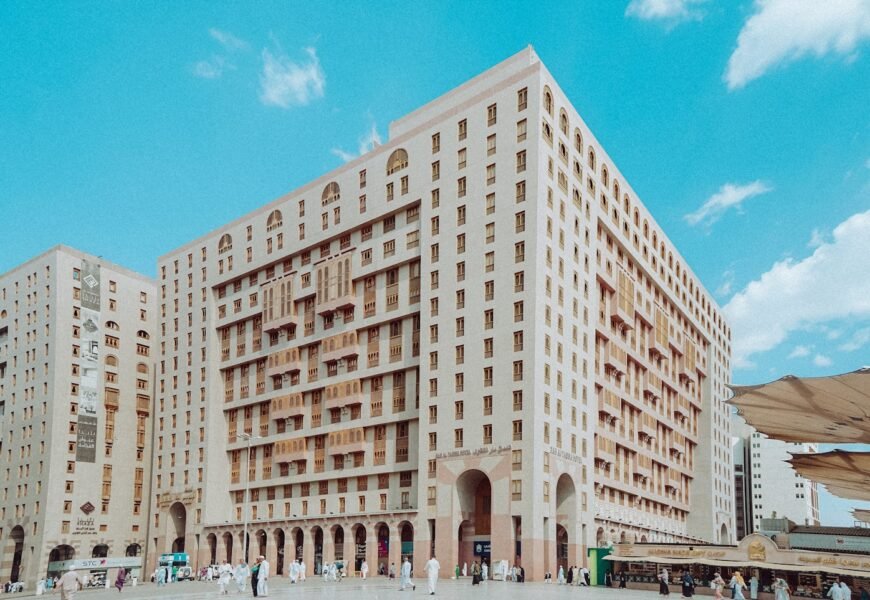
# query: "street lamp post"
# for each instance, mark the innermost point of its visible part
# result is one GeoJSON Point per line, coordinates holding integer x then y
{"type": "Point", "coordinates": [247, 436]}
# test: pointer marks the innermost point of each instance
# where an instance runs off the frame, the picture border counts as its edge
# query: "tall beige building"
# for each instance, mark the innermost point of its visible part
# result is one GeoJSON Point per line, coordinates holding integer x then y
{"type": "Point", "coordinates": [473, 340]}
{"type": "Point", "coordinates": [77, 340]}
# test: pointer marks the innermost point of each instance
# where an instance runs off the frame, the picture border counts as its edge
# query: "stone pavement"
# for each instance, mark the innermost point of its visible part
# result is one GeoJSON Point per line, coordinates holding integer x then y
{"type": "Point", "coordinates": [377, 588]}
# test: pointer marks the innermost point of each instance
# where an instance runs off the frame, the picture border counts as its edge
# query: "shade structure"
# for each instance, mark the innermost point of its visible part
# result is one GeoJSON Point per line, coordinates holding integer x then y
{"type": "Point", "coordinates": [861, 514]}
{"type": "Point", "coordinates": [845, 474]}
{"type": "Point", "coordinates": [833, 409]}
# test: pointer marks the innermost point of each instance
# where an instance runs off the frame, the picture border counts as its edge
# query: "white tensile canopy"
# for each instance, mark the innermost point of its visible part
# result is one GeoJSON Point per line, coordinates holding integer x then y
{"type": "Point", "coordinates": [834, 409]}
{"type": "Point", "coordinates": [845, 474]}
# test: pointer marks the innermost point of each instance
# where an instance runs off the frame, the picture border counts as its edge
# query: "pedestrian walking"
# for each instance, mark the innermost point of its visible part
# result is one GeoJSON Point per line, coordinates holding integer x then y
{"type": "Point", "coordinates": [688, 584]}
{"type": "Point", "coordinates": [432, 568]}
{"type": "Point", "coordinates": [255, 576]}
{"type": "Point", "coordinates": [623, 580]}
{"type": "Point", "coordinates": [240, 574]}
{"type": "Point", "coordinates": [753, 587]}
{"type": "Point", "coordinates": [718, 584]}
{"type": "Point", "coordinates": [584, 573]}
{"type": "Point", "coordinates": [364, 569]}
{"type": "Point", "coordinates": [560, 577]}
{"type": "Point", "coordinates": [69, 584]}
{"type": "Point", "coordinates": [263, 578]}
{"type": "Point", "coordinates": [406, 576]}
{"type": "Point", "coordinates": [121, 579]}
{"type": "Point", "coordinates": [569, 576]}
{"type": "Point", "coordinates": [737, 585]}
{"type": "Point", "coordinates": [475, 573]}
{"type": "Point", "coordinates": [782, 591]}
{"type": "Point", "coordinates": [664, 590]}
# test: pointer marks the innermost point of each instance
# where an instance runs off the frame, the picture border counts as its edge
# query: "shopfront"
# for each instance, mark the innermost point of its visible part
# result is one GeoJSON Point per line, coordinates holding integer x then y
{"type": "Point", "coordinates": [809, 573]}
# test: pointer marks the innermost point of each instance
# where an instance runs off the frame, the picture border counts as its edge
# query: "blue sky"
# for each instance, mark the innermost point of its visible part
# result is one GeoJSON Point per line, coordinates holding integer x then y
{"type": "Point", "coordinates": [127, 129]}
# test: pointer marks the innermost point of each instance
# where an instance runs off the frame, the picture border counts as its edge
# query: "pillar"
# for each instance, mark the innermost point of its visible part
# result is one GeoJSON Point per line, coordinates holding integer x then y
{"type": "Point", "coordinates": [349, 551]}
{"type": "Point", "coordinates": [372, 549]}
{"type": "Point", "coordinates": [272, 553]}
{"type": "Point", "coordinates": [308, 552]}
{"type": "Point", "coordinates": [395, 547]}
{"type": "Point", "coordinates": [446, 545]}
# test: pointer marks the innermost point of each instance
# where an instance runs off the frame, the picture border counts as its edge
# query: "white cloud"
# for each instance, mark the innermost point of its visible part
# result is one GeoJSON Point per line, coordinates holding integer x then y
{"type": "Point", "coordinates": [800, 352]}
{"type": "Point", "coordinates": [286, 83]}
{"type": "Point", "coordinates": [782, 31]}
{"type": "Point", "coordinates": [664, 10]}
{"type": "Point", "coordinates": [821, 360]}
{"type": "Point", "coordinates": [211, 68]}
{"type": "Point", "coordinates": [858, 340]}
{"type": "Point", "coordinates": [227, 39]}
{"type": "Point", "coordinates": [817, 238]}
{"type": "Point", "coordinates": [729, 195]}
{"type": "Point", "coordinates": [727, 283]}
{"type": "Point", "coordinates": [367, 143]}
{"type": "Point", "coordinates": [829, 284]}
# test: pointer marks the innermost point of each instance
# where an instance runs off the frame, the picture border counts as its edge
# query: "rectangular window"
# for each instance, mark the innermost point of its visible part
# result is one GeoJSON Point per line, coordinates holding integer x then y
{"type": "Point", "coordinates": [521, 161]}
{"type": "Point", "coordinates": [521, 130]}
{"type": "Point", "coordinates": [463, 129]}
{"type": "Point", "coordinates": [490, 145]}
{"type": "Point", "coordinates": [436, 170]}
{"type": "Point", "coordinates": [523, 99]}
{"type": "Point", "coordinates": [490, 204]}
{"type": "Point", "coordinates": [462, 158]}
{"type": "Point", "coordinates": [491, 114]}
{"type": "Point", "coordinates": [436, 143]}
{"type": "Point", "coordinates": [460, 187]}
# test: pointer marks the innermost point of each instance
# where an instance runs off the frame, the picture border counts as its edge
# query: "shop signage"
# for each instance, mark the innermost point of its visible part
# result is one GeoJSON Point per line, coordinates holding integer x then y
{"type": "Point", "coordinates": [96, 563]}
{"type": "Point", "coordinates": [84, 526]}
{"type": "Point", "coordinates": [483, 548]}
{"type": "Point", "coordinates": [483, 451]}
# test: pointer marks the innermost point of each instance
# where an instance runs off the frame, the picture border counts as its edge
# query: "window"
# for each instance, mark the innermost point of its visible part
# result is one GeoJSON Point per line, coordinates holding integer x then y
{"type": "Point", "coordinates": [491, 113]}
{"type": "Point", "coordinates": [490, 233]}
{"type": "Point", "coordinates": [521, 161]}
{"type": "Point", "coordinates": [457, 438]}
{"type": "Point", "coordinates": [398, 160]}
{"type": "Point", "coordinates": [436, 143]}
{"type": "Point", "coordinates": [517, 431]}
{"type": "Point", "coordinates": [522, 127]}
{"type": "Point", "coordinates": [362, 178]}
{"type": "Point", "coordinates": [520, 221]}
{"type": "Point", "coordinates": [462, 158]}
{"type": "Point", "coordinates": [548, 101]}
{"type": "Point", "coordinates": [436, 171]}
{"type": "Point", "coordinates": [490, 145]}
{"type": "Point", "coordinates": [460, 187]}
{"type": "Point", "coordinates": [487, 434]}
{"type": "Point", "coordinates": [490, 174]}
{"type": "Point", "coordinates": [522, 99]}
{"type": "Point", "coordinates": [463, 129]}
{"type": "Point", "coordinates": [521, 191]}
{"type": "Point", "coordinates": [490, 204]}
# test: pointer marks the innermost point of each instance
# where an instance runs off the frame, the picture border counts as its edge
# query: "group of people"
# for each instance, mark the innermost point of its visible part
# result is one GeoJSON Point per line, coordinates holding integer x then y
{"type": "Point", "coordinates": [737, 584]}
{"type": "Point", "coordinates": [258, 572]}
{"type": "Point", "coordinates": [571, 576]}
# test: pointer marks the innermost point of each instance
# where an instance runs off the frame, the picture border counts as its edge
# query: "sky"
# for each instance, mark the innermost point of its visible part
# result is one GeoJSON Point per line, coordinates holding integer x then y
{"type": "Point", "coordinates": [130, 128]}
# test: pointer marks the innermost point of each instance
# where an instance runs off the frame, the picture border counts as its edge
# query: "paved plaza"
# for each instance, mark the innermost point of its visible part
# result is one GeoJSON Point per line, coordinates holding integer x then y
{"type": "Point", "coordinates": [372, 589]}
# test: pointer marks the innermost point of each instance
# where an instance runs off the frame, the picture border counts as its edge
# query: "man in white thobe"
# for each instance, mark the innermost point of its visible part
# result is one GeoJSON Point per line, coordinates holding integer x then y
{"type": "Point", "coordinates": [364, 569]}
{"type": "Point", "coordinates": [836, 592]}
{"type": "Point", "coordinates": [847, 592]}
{"type": "Point", "coordinates": [241, 574]}
{"type": "Point", "coordinates": [263, 578]}
{"type": "Point", "coordinates": [406, 576]}
{"type": "Point", "coordinates": [294, 571]}
{"type": "Point", "coordinates": [484, 571]}
{"type": "Point", "coordinates": [432, 573]}
{"type": "Point", "coordinates": [301, 570]}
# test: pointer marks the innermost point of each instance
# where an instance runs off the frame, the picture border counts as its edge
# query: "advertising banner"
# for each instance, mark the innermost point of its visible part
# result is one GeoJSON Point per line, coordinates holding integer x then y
{"type": "Point", "coordinates": [89, 389]}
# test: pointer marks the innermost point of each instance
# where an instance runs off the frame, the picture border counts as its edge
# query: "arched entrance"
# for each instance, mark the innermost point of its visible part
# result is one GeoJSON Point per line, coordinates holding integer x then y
{"type": "Point", "coordinates": [566, 522]}
{"type": "Point", "coordinates": [211, 540]}
{"type": "Point", "coordinates": [317, 535]}
{"type": "Point", "coordinates": [474, 498]}
{"type": "Point", "coordinates": [178, 516]}
{"type": "Point", "coordinates": [298, 540]}
{"type": "Point", "coordinates": [600, 539]}
{"type": "Point", "coordinates": [383, 541]}
{"type": "Point", "coordinates": [279, 555]}
{"type": "Point", "coordinates": [338, 542]}
{"type": "Point", "coordinates": [100, 551]}
{"type": "Point", "coordinates": [643, 539]}
{"type": "Point", "coordinates": [561, 547]}
{"type": "Point", "coordinates": [59, 554]}
{"type": "Point", "coordinates": [260, 538]}
{"type": "Point", "coordinates": [17, 537]}
{"type": "Point", "coordinates": [724, 538]}
{"type": "Point", "coordinates": [133, 550]}
{"type": "Point", "coordinates": [359, 546]}
{"type": "Point", "coordinates": [406, 536]}
{"type": "Point", "coordinates": [228, 546]}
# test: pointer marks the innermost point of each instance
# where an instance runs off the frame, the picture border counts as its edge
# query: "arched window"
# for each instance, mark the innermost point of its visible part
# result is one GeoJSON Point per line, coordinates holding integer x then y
{"type": "Point", "coordinates": [113, 326]}
{"type": "Point", "coordinates": [548, 101]}
{"type": "Point", "coordinates": [605, 179]}
{"type": "Point", "coordinates": [626, 204]}
{"type": "Point", "coordinates": [111, 360]}
{"type": "Point", "coordinates": [142, 368]}
{"type": "Point", "coordinates": [645, 229]}
{"type": "Point", "coordinates": [563, 121]}
{"type": "Point", "coordinates": [225, 244]}
{"type": "Point", "coordinates": [615, 188]}
{"type": "Point", "coordinates": [548, 133]}
{"type": "Point", "coordinates": [143, 334]}
{"type": "Point", "coordinates": [332, 193]}
{"type": "Point", "coordinates": [398, 160]}
{"type": "Point", "coordinates": [274, 221]}
{"type": "Point", "coordinates": [578, 142]}
{"type": "Point", "coordinates": [636, 215]}
{"type": "Point", "coordinates": [591, 160]}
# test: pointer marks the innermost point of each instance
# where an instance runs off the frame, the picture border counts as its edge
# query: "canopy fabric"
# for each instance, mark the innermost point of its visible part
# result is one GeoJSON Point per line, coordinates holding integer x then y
{"type": "Point", "coordinates": [834, 409]}
{"type": "Point", "coordinates": [861, 514]}
{"type": "Point", "coordinates": [845, 474]}
{"type": "Point", "coordinates": [737, 564]}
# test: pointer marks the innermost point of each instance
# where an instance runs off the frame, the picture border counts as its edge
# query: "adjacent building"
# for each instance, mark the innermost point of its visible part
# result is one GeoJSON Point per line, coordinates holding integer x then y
{"type": "Point", "coordinates": [766, 486]}
{"type": "Point", "coordinates": [77, 343]}
{"type": "Point", "coordinates": [473, 340]}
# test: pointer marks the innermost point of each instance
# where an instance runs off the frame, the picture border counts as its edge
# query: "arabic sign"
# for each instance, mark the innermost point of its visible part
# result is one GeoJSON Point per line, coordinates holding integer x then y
{"type": "Point", "coordinates": [96, 563]}
{"type": "Point", "coordinates": [483, 451]}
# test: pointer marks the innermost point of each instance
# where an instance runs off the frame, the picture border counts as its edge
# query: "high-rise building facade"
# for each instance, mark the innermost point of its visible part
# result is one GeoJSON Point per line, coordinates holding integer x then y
{"type": "Point", "coordinates": [76, 382]}
{"type": "Point", "coordinates": [472, 340]}
{"type": "Point", "coordinates": [766, 486]}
